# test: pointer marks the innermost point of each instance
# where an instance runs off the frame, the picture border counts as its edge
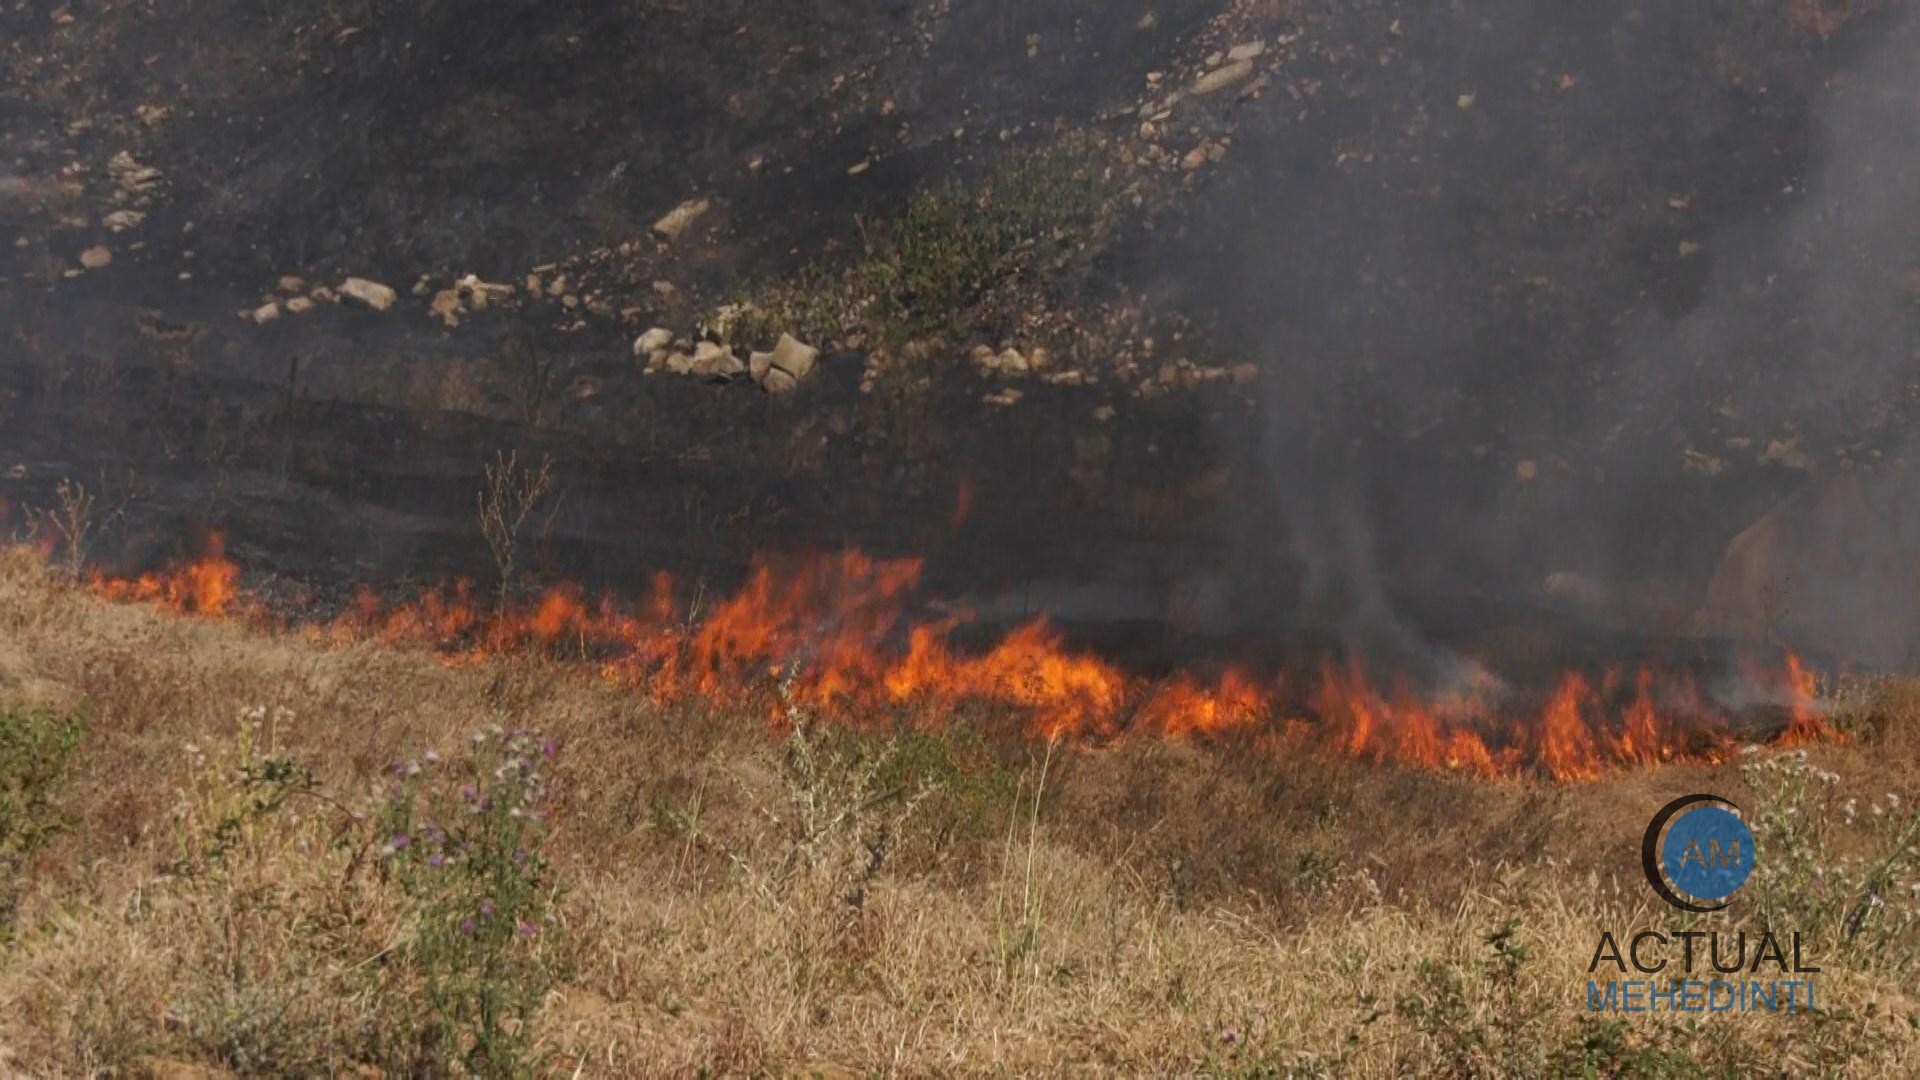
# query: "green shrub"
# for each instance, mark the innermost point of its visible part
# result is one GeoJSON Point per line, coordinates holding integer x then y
{"type": "Point", "coordinates": [34, 749]}
{"type": "Point", "coordinates": [463, 839]}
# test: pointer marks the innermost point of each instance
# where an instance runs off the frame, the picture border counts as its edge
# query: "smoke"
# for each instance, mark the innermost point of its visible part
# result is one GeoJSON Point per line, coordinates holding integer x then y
{"type": "Point", "coordinates": [1556, 351]}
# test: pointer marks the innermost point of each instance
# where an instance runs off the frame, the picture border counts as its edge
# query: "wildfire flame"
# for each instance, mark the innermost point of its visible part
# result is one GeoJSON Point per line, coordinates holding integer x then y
{"type": "Point", "coordinates": [834, 636]}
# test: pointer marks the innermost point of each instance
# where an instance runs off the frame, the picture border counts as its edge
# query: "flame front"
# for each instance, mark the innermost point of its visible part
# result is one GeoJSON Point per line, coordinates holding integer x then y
{"type": "Point", "coordinates": [833, 637]}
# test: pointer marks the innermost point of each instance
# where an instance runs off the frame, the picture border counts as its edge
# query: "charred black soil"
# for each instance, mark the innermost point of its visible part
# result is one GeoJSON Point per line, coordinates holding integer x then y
{"type": "Point", "coordinates": [1526, 291]}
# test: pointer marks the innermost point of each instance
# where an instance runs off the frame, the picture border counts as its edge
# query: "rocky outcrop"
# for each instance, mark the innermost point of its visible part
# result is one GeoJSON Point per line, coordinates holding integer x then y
{"type": "Point", "coordinates": [1834, 569]}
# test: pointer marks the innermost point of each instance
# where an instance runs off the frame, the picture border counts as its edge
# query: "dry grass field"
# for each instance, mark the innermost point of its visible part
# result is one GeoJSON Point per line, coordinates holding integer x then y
{"type": "Point", "coordinates": [234, 852]}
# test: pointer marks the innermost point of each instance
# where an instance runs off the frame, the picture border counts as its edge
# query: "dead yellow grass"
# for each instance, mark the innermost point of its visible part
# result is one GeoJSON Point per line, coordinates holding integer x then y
{"type": "Point", "coordinates": [739, 902]}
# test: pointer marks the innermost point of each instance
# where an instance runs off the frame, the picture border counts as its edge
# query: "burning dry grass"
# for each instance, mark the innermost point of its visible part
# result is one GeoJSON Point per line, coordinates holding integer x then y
{"type": "Point", "coordinates": [734, 901]}
{"type": "Point", "coordinates": [832, 630]}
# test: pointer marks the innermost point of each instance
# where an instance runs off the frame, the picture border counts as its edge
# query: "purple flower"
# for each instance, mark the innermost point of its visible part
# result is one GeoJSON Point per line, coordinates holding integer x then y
{"type": "Point", "coordinates": [400, 841]}
{"type": "Point", "coordinates": [528, 930]}
{"type": "Point", "coordinates": [547, 748]}
{"type": "Point", "coordinates": [486, 908]}
{"type": "Point", "coordinates": [436, 860]}
{"type": "Point", "coordinates": [466, 926]}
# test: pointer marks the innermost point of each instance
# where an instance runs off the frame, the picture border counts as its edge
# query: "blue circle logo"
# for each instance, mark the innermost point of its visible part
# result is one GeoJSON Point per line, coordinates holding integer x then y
{"type": "Point", "coordinates": [1697, 851]}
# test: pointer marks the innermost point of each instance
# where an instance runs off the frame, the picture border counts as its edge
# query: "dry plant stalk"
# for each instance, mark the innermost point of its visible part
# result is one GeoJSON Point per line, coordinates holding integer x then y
{"type": "Point", "coordinates": [73, 522]}
{"type": "Point", "coordinates": [505, 502]}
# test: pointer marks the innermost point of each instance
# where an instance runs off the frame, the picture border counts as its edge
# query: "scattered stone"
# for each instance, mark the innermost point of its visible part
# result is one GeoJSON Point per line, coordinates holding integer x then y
{"type": "Point", "coordinates": [479, 294]}
{"type": "Point", "coordinates": [1069, 377]}
{"type": "Point", "coordinates": [289, 283]}
{"type": "Point", "coordinates": [1245, 374]}
{"type": "Point", "coordinates": [299, 305]}
{"type": "Point", "coordinates": [679, 363]}
{"type": "Point", "coordinates": [863, 166]}
{"type": "Point", "coordinates": [122, 220]}
{"type": "Point", "coordinates": [1005, 398]}
{"type": "Point", "coordinates": [651, 342]}
{"type": "Point", "coordinates": [1250, 50]}
{"type": "Point", "coordinates": [371, 293]}
{"type": "Point", "coordinates": [446, 305]}
{"type": "Point", "coordinates": [1688, 249]}
{"type": "Point", "coordinates": [793, 357]}
{"type": "Point", "coordinates": [266, 313]}
{"type": "Point", "coordinates": [96, 258]}
{"type": "Point", "coordinates": [1465, 101]}
{"type": "Point", "coordinates": [680, 219]}
{"type": "Point", "coordinates": [1527, 469]}
{"type": "Point", "coordinates": [1221, 78]}
{"type": "Point", "coordinates": [324, 295]}
{"type": "Point", "coordinates": [131, 176]}
{"type": "Point", "coordinates": [711, 361]}
{"type": "Point", "coordinates": [1784, 452]}
{"type": "Point", "coordinates": [1104, 413]}
{"type": "Point", "coordinates": [1700, 463]}
{"type": "Point", "coordinates": [779, 382]}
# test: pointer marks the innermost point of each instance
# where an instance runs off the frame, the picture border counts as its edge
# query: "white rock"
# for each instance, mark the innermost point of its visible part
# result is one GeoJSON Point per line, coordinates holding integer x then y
{"type": "Point", "coordinates": [371, 293]}
{"type": "Point", "coordinates": [133, 177]}
{"type": "Point", "coordinates": [446, 305]}
{"type": "Point", "coordinates": [299, 305]}
{"type": "Point", "coordinates": [1249, 50]}
{"type": "Point", "coordinates": [1011, 362]}
{"type": "Point", "coordinates": [681, 218]}
{"type": "Point", "coordinates": [779, 382]}
{"type": "Point", "coordinates": [712, 361]}
{"type": "Point", "coordinates": [96, 258]}
{"type": "Point", "coordinates": [679, 363]}
{"type": "Point", "coordinates": [794, 358]}
{"type": "Point", "coordinates": [479, 293]}
{"type": "Point", "coordinates": [1222, 77]}
{"type": "Point", "coordinates": [122, 220]}
{"type": "Point", "coordinates": [652, 341]}
{"type": "Point", "coordinates": [266, 313]}
{"type": "Point", "coordinates": [290, 283]}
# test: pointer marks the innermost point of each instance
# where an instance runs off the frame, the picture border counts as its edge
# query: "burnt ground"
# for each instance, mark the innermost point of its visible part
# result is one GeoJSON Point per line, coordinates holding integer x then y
{"type": "Point", "coordinates": [1531, 288]}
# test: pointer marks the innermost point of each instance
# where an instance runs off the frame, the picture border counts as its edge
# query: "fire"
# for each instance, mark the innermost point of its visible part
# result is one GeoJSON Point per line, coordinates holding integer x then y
{"type": "Point", "coordinates": [833, 636]}
{"type": "Point", "coordinates": [205, 586]}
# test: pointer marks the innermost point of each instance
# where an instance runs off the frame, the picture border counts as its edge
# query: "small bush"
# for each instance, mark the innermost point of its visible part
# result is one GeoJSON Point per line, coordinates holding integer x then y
{"type": "Point", "coordinates": [463, 840]}
{"type": "Point", "coordinates": [1863, 902]}
{"type": "Point", "coordinates": [34, 749]}
{"type": "Point", "coordinates": [925, 273]}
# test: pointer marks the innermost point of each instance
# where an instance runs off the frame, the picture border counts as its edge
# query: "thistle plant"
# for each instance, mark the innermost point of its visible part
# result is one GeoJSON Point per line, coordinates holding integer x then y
{"type": "Point", "coordinates": [462, 838]}
{"type": "Point", "coordinates": [1843, 870]}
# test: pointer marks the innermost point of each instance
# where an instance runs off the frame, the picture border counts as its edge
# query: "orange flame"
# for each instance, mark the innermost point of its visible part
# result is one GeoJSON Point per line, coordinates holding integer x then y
{"type": "Point", "coordinates": [205, 586]}
{"type": "Point", "coordinates": [832, 635]}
